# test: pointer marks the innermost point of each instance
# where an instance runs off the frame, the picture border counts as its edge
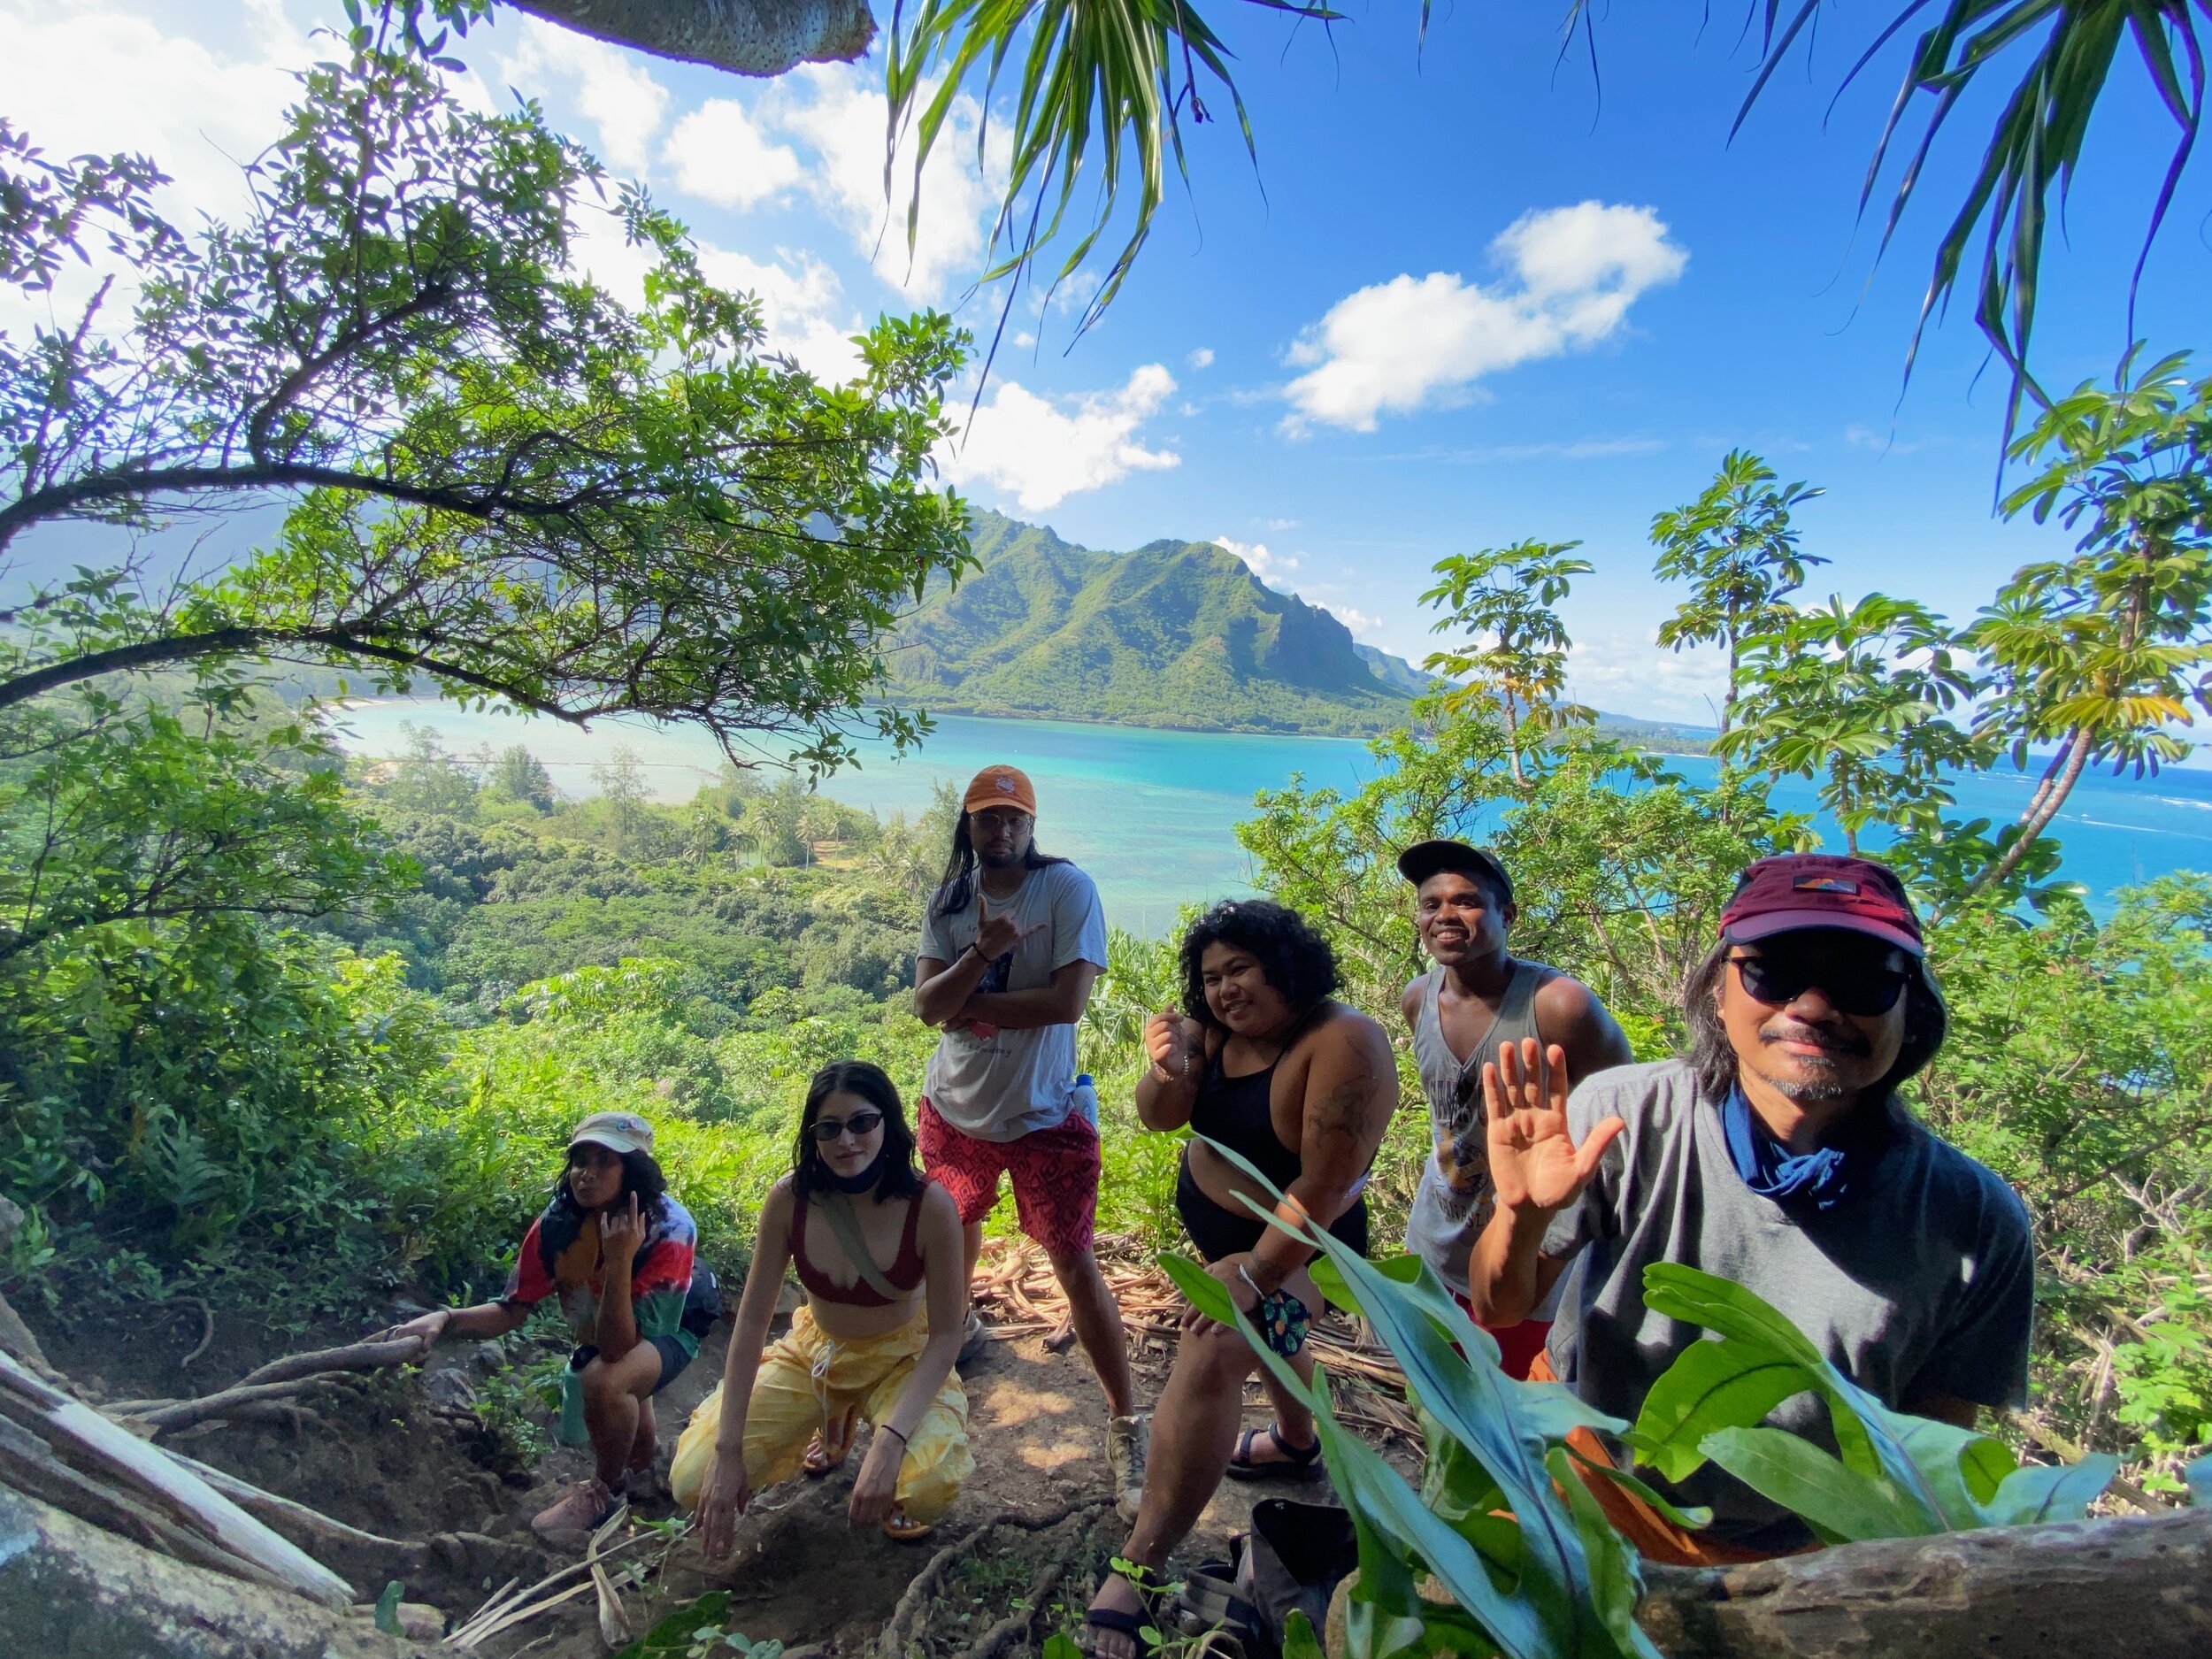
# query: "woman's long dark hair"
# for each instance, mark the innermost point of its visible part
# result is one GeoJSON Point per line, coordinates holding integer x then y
{"type": "Point", "coordinates": [955, 888]}
{"type": "Point", "coordinates": [1713, 1057]}
{"type": "Point", "coordinates": [1297, 961]}
{"type": "Point", "coordinates": [896, 1175]}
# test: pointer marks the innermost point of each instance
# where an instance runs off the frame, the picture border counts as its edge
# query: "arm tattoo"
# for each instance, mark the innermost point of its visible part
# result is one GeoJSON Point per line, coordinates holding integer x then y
{"type": "Point", "coordinates": [1343, 1112]}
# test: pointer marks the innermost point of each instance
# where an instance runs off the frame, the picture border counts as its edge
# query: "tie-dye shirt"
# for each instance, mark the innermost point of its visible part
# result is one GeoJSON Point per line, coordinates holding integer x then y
{"type": "Point", "coordinates": [560, 1257]}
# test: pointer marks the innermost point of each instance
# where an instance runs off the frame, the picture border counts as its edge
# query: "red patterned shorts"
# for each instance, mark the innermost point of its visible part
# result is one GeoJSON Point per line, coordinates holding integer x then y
{"type": "Point", "coordinates": [1055, 1173]}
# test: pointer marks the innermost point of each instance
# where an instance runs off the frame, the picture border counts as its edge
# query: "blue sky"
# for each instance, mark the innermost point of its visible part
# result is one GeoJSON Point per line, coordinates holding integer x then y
{"type": "Point", "coordinates": [1463, 301]}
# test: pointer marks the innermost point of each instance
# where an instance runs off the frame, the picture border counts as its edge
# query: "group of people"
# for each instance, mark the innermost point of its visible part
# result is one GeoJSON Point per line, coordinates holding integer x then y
{"type": "Point", "coordinates": [1774, 1153]}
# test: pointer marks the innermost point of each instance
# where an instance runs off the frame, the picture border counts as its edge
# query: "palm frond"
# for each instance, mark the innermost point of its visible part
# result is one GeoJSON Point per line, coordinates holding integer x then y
{"type": "Point", "coordinates": [2073, 46]}
{"type": "Point", "coordinates": [1102, 81]}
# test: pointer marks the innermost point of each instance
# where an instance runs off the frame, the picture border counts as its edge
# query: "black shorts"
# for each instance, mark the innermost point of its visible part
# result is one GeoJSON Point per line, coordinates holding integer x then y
{"type": "Point", "coordinates": [674, 1357]}
{"type": "Point", "coordinates": [1219, 1231]}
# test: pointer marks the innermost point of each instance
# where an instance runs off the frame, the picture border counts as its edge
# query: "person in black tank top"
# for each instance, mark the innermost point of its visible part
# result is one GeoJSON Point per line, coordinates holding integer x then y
{"type": "Point", "coordinates": [1261, 1060]}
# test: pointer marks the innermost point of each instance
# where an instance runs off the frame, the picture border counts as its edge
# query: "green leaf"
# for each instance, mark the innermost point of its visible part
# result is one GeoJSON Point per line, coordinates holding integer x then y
{"type": "Point", "coordinates": [1838, 1503]}
{"type": "Point", "coordinates": [388, 1608]}
{"type": "Point", "coordinates": [1299, 1640]}
{"type": "Point", "coordinates": [2063, 1492]}
{"type": "Point", "coordinates": [1728, 1383]}
{"type": "Point", "coordinates": [1692, 1519]}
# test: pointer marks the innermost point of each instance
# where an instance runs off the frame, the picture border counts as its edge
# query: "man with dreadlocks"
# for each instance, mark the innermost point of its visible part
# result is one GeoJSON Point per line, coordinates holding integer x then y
{"type": "Point", "coordinates": [1774, 1153]}
{"type": "Point", "coordinates": [1012, 942]}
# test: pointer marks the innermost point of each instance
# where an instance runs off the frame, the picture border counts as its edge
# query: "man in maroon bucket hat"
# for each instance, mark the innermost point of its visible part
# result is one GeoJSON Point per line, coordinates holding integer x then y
{"type": "Point", "coordinates": [1776, 1154]}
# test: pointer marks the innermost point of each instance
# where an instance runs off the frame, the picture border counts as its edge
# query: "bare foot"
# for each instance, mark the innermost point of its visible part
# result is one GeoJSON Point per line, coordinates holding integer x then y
{"type": "Point", "coordinates": [1117, 1595]}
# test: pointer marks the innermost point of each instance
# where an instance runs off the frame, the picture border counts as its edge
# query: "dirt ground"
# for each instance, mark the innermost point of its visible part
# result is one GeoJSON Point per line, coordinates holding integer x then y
{"type": "Point", "coordinates": [398, 1455]}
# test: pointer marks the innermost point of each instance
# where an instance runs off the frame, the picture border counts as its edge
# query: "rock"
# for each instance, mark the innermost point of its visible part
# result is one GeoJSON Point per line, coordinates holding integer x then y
{"type": "Point", "coordinates": [450, 1388]}
{"type": "Point", "coordinates": [489, 1357]}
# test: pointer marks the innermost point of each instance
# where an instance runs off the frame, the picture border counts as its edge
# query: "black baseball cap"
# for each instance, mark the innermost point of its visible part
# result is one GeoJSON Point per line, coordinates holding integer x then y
{"type": "Point", "coordinates": [1425, 859]}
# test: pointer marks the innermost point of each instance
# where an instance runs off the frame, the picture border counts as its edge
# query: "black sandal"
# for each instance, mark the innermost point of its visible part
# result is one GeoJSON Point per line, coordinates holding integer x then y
{"type": "Point", "coordinates": [1133, 1626]}
{"type": "Point", "coordinates": [1296, 1463]}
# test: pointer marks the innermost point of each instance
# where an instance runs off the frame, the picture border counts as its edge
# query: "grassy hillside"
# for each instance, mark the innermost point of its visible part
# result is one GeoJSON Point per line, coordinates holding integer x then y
{"type": "Point", "coordinates": [1177, 633]}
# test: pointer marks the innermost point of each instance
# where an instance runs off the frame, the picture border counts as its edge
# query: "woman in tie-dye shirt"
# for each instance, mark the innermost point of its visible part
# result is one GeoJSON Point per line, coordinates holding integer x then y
{"type": "Point", "coordinates": [635, 1330]}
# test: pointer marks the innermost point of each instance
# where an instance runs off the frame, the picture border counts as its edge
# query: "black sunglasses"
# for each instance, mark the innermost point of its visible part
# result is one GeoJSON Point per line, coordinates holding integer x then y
{"type": "Point", "coordinates": [827, 1129]}
{"type": "Point", "coordinates": [1863, 986]}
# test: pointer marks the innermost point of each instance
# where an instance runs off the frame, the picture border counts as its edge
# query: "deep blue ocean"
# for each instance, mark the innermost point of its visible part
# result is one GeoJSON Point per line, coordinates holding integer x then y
{"type": "Point", "coordinates": [1151, 813]}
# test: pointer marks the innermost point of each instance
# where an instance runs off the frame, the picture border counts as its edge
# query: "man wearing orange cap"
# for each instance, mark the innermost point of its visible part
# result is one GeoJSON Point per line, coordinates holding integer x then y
{"type": "Point", "coordinates": [1012, 942]}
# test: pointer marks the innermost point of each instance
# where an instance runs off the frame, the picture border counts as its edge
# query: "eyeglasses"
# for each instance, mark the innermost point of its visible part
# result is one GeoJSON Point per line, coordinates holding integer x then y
{"type": "Point", "coordinates": [827, 1129]}
{"type": "Point", "coordinates": [1860, 986]}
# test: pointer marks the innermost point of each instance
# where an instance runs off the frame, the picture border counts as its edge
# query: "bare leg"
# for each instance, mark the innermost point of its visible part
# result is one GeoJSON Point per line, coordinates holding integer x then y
{"type": "Point", "coordinates": [1293, 1423]}
{"type": "Point", "coordinates": [1194, 1430]}
{"type": "Point", "coordinates": [972, 1246]}
{"type": "Point", "coordinates": [1097, 1317]}
{"type": "Point", "coordinates": [614, 1401]}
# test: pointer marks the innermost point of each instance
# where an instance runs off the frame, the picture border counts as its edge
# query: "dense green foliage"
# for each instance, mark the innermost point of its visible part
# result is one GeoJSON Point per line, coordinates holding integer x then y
{"type": "Point", "coordinates": [1177, 633]}
{"type": "Point", "coordinates": [492, 476]}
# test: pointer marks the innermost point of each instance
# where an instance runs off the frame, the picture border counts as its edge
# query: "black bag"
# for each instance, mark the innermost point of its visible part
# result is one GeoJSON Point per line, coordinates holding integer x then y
{"type": "Point", "coordinates": [1291, 1561]}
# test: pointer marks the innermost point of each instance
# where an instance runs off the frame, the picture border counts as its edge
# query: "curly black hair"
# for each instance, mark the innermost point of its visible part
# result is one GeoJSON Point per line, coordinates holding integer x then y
{"type": "Point", "coordinates": [1297, 960]}
{"type": "Point", "coordinates": [642, 1174]}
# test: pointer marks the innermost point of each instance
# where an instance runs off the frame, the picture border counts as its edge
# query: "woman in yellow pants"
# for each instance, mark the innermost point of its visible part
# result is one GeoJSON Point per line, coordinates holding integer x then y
{"type": "Point", "coordinates": [878, 1250]}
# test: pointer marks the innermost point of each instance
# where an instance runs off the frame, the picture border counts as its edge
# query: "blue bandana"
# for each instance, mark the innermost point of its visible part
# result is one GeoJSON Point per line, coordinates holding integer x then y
{"type": "Point", "coordinates": [1820, 1180]}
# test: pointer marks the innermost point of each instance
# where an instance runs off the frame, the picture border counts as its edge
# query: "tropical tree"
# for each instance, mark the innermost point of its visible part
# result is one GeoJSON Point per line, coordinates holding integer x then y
{"type": "Point", "coordinates": [1737, 547]}
{"type": "Point", "coordinates": [1503, 600]}
{"type": "Point", "coordinates": [1857, 696]}
{"type": "Point", "coordinates": [493, 476]}
{"type": "Point", "coordinates": [522, 778]}
{"type": "Point", "coordinates": [2103, 652]}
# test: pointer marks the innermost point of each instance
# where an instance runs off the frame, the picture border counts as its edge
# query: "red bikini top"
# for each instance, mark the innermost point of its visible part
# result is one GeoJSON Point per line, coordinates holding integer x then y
{"type": "Point", "coordinates": [904, 1273]}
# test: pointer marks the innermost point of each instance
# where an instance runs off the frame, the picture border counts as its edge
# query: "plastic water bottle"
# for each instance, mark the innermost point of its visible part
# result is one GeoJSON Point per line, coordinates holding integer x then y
{"type": "Point", "coordinates": [1086, 1099]}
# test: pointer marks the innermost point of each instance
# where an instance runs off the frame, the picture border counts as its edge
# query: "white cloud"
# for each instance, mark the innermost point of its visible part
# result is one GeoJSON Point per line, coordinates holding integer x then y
{"type": "Point", "coordinates": [82, 79]}
{"type": "Point", "coordinates": [1042, 450]}
{"type": "Point", "coordinates": [720, 154]}
{"type": "Point", "coordinates": [1396, 346]}
{"type": "Point", "coordinates": [1271, 568]}
{"type": "Point", "coordinates": [802, 306]}
{"type": "Point", "coordinates": [842, 118]}
{"type": "Point", "coordinates": [1280, 524]}
{"type": "Point", "coordinates": [1630, 673]}
{"type": "Point", "coordinates": [608, 87]}
{"type": "Point", "coordinates": [1359, 621]}
{"type": "Point", "coordinates": [1202, 358]}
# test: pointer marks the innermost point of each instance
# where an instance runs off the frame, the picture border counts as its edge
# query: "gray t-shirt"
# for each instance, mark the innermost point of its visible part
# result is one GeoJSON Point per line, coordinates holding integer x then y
{"type": "Point", "coordinates": [1006, 1086]}
{"type": "Point", "coordinates": [1923, 1284]}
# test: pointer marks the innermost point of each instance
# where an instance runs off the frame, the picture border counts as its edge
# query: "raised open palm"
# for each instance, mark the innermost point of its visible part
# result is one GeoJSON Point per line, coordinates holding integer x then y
{"type": "Point", "coordinates": [1534, 1162]}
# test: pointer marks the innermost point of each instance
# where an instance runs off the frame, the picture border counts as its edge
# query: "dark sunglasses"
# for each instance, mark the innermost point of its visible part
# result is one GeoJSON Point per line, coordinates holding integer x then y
{"type": "Point", "coordinates": [827, 1129]}
{"type": "Point", "coordinates": [1863, 987]}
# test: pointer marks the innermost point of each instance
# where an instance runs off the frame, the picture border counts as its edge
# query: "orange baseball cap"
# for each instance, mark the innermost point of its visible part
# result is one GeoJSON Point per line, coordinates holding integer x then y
{"type": "Point", "coordinates": [1000, 785]}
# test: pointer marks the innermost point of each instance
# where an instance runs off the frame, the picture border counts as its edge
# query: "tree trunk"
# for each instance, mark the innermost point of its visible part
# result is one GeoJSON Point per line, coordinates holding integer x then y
{"type": "Point", "coordinates": [68, 1587]}
{"type": "Point", "coordinates": [2053, 796]}
{"type": "Point", "coordinates": [2141, 1586]}
{"type": "Point", "coordinates": [751, 37]}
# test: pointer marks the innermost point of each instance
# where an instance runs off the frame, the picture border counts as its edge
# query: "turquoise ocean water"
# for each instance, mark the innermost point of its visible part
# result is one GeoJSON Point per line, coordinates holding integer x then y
{"type": "Point", "coordinates": [1151, 813]}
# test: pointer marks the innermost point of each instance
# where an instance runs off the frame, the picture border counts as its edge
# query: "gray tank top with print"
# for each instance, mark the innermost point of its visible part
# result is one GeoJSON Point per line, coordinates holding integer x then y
{"type": "Point", "coordinates": [1454, 1202]}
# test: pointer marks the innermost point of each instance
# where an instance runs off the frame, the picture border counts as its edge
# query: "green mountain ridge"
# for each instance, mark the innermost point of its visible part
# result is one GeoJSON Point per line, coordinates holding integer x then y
{"type": "Point", "coordinates": [1178, 634]}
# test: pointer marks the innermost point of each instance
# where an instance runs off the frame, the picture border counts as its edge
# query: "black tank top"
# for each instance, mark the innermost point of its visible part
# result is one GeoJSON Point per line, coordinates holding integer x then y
{"type": "Point", "coordinates": [1234, 1111]}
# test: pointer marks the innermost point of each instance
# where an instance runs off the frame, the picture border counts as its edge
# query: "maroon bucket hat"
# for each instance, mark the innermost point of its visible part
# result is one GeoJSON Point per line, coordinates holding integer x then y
{"type": "Point", "coordinates": [1776, 896]}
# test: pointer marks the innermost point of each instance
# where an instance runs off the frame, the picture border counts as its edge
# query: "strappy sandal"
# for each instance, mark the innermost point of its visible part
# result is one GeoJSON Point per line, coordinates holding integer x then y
{"type": "Point", "coordinates": [1296, 1463]}
{"type": "Point", "coordinates": [1133, 1626]}
{"type": "Point", "coordinates": [899, 1530]}
{"type": "Point", "coordinates": [819, 1459]}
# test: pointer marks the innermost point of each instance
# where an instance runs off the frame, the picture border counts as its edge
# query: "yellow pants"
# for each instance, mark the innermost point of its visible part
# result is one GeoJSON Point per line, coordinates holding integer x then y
{"type": "Point", "coordinates": [809, 1380]}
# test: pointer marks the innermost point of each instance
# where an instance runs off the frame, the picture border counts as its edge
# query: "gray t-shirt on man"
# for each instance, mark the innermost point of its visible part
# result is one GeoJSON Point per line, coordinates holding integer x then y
{"type": "Point", "coordinates": [1922, 1283]}
{"type": "Point", "coordinates": [1012, 1083]}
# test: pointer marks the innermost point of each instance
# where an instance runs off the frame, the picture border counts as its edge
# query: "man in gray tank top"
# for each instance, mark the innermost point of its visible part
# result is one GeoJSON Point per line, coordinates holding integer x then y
{"type": "Point", "coordinates": [1476, 998]}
